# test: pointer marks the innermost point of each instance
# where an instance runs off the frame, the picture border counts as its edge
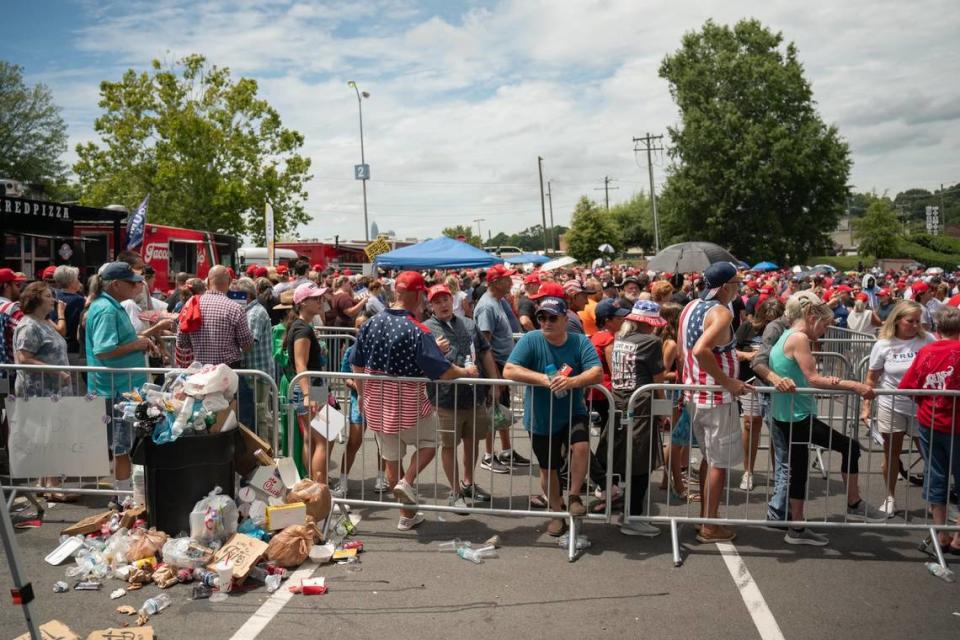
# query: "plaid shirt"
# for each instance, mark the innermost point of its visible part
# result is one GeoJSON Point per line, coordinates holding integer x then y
{"type": "Point", "coordinates": [260, 357]}
{"type": "Point", "coordinates": [10, 315]}
{"type": "Point", "coordinates": [224, 334]}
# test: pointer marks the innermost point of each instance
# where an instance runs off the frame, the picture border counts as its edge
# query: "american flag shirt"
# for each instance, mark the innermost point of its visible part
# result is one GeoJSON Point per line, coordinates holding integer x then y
{"type": "Point", "coordinates": [393, 343]}
{"type": "Point", "coordinates": [691, 328]}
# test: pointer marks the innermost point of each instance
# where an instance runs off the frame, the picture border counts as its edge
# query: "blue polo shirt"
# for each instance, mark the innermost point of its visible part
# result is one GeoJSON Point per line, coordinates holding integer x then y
{"type": "Point", "coordinates": [108, 327]}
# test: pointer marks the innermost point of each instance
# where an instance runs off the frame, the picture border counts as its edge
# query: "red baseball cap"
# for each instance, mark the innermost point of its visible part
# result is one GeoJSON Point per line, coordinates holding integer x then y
{"type": "Point", "coordinates": [843, 289]}
{"type": "Point", "coordinates": [884, 291]}
{"type": "Point", "coordinates": [251, 270]}
{"type": "Point", "coordinates": [9, 275]}
{"type": "Point", "coordinates": [347, 272]}
{"type": "Point", "coordinates": [920, 288]}
{"type": "Point", "coordinates": [233, 274]}
{"type": "Point", "coordinates": [438, 290]}
{"type": "Point", "coordinates": [261, 272]}
{"type": "Point", "coordinates": [498, 271]}
{"type": "Point", "coordinates": [281, 268]}
{"type": "Point", "coordinates": [316, 267]}
{"type": "Point", "coordinates": [410, 281]}
{"type": "Point", "coordinates": [552, 289]}
{"type": "Point", "coordinates": [49, 271]}
{"type": "Point", "coordinates": [533, 278]}
{"type": "Point", "coordinates": [862, 297]}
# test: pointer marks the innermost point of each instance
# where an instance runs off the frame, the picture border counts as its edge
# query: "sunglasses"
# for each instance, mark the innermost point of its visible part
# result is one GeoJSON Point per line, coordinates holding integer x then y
{"type": "Point", "coordinates": [546, 318]}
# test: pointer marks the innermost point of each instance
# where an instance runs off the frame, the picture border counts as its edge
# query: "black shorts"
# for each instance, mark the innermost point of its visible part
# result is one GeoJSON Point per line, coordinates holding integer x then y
{"type": "Point", "coordinates": [552, 449]}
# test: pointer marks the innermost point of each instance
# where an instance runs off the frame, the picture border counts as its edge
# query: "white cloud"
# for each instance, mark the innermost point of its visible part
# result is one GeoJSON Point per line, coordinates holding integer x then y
{"type": "Point", "coordinates": [461, 106]}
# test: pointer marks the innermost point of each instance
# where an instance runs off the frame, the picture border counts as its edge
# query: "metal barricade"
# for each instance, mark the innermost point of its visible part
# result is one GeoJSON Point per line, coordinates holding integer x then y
{"type": "Point", "coordinates": [55, 383]}
{"type": "Point", "coordinates": [790, 490]}
{"type": "Point", "coordinates": [853, 345]}
{"type": "Point", "coordinates": [475, 407]}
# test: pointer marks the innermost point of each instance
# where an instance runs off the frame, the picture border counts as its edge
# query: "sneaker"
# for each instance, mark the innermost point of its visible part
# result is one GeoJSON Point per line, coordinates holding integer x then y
{"type": "Point", "coordinates": [717, 533]}
{"type": "Point", "coordinates": [406, 524]}
{"type": "Point", "coordinates": [889, 506]}
{"type": "Point", "coordinates": [340, 491]}
{"type": "Point", "coordinates": [806, 536]}
{"type": "Point", "coordinates": [513, 459]}
{"type": "Point", "coordinates": [643, 529]}
{"type": "Point", "coordinates": [746, 482]}
{"type": "Point", "coordinates": [457, 500]}
{"type": "Point", "coordinates": [577, 510]}
{"type": "Point", "coordinates": [492, 463]}
{"type": "Point", "coordinates": [864, 512]}
{"type": "Point", "coordinates": [404, 493]}
{"type": "Point", "coordinates": [381, 486]}
{"type": "Point", "coordinates": [475, 493]}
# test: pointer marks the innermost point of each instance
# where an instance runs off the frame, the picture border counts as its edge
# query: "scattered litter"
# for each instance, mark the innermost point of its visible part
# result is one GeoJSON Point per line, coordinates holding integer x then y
{"type": "Point", "coordinates": [60, 587]}
{"type": "Point", "coordinates": [53, 629]}
{"type": "Point", "coordinates": [87, 585]}
{"type": "Point", "coordinates": [493, 541]}
{"type": "Point", "coordinates": [582, 541]}
{"type": "Point", "coordinates": [126, 610]}
{"type": "Point", "coordinates": [117, 593]}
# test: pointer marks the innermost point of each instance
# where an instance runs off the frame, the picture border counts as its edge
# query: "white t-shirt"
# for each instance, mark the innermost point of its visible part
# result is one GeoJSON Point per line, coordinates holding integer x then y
{"type": "Point", "coordinates": [458, 299]}
{"type": "Point", "coordinates": [894, 357]}
{"type": "Point", "coordinates": [861, 321]}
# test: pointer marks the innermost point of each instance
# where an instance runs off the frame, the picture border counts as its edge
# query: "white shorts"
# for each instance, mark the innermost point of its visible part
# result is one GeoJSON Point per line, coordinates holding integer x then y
{"type": "Point", "coordinates": [750, 405]}
{"type": "Point", "coordinates": [422, 436]}
{"type": "Point", "coordinates": [718, 432]}
{"type": "Point", "coordinates": [890, 421]}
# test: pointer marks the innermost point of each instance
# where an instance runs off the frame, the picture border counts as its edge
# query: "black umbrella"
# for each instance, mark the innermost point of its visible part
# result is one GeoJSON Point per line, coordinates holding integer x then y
{"type": "Point", "coordinates": [686, 257]}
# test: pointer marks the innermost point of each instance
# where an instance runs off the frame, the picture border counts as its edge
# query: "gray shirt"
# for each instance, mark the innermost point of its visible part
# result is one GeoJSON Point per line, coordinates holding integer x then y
{"type": "Point", "coordinates": [489, 316]}
{"type": "Point", "coordinates": [43, 341]}
{"type": "Point", "coordinates": [771, 334]}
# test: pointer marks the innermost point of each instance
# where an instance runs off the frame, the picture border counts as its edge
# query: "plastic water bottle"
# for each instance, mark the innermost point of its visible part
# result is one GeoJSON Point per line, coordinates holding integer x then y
{"type": "Point", "coordinates": [155, 605]}
{"type": "Point", "coordinates": [487, 552]}
{"type": "Point", "coordinates": [941, 572]}
{"type": "Point", "coordinates": [552, 373]}
{"type": "Point", "coordinates": [139, 485]}
{"type": "Point", "coordinates": [454, 545]}
{"type": "Point", "coordinates": [473, 555]}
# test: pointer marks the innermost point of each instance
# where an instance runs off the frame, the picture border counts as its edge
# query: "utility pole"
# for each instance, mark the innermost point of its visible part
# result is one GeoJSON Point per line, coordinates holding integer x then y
{"type": "Point", "coordinates": [479, 233]}
{"type": "Point", "coordinates": [648, 141]}
{"type": "Point", "coordinates": [543, 207]}
{"type": "Point", "coordinates": [606, 189]}
{"type": "Point", "coordinates": [553, 234]}
{"type": "Point", "coordinates": [943, 212]}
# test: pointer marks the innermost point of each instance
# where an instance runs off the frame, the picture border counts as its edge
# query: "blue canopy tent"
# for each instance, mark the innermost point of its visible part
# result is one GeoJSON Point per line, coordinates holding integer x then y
{"type": "Point", "coordinates": [437, 253]}
{"type": "Point", "coordinates": [765, 266]}
{"type": "Point", "coordinates": [525, 258]}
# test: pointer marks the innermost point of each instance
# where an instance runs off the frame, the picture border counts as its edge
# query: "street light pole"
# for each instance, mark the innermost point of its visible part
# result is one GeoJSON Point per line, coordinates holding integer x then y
{"type": "Point", "coordinates": [363, 162]}
{"type": "Point", "coordinates": [478, 221]}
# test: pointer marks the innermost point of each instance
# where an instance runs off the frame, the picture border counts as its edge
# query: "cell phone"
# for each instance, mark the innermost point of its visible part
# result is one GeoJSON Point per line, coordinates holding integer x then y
{"type": "Point", "coordinates": [237, 295]}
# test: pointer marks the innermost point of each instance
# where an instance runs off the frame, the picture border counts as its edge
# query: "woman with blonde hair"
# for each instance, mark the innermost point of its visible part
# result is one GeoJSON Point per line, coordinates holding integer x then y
{"type": "Point", "coordinates": [461, 303]}
{"type": "Point", "coordinates": [900, 338]}
{"type": "Point", "coordinates": [795, 417]}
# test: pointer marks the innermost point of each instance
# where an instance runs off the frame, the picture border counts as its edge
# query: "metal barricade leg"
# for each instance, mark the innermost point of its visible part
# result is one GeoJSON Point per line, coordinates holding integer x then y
{"type": "Point", "coordinates": [25, 590]}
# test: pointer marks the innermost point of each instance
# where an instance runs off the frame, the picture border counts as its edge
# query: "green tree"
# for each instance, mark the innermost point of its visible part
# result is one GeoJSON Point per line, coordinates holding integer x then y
{"type": "Point", "coordinates": [32, 133]}
{"type": "Point", "coordinates": [634, 220]}
{"type": "Point", "coordinates": [877, 231]}
{"type": "Point", "coordinates": [208, 151]}
{"type": "Point", "coordinates": [466, 232]}
{"type": "Point", "coordinates": [591, 227]}
{"type": "Point", "coordinates": [754, 167]}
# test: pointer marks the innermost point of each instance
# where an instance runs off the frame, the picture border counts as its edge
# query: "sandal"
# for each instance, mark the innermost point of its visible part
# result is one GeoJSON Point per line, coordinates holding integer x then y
{"type": "Point", "coordinates": [538, 502]}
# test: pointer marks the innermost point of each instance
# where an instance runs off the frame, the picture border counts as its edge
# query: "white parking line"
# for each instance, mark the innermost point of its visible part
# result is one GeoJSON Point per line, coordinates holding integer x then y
{"type": "Point", "coordinates": [269, 609]}
{"type": "Point", "coordinates": [759, 611]}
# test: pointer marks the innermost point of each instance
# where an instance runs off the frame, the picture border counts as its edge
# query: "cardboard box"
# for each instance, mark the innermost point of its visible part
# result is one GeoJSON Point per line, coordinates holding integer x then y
{"type": "Point", "coordinates": [127, 633]}
{"type": "Point", "coordinates": [245, 459]}
{"type": "Point", "coordinates": [90, 524]}
{"type": "Point", "coordinates": [267, 481]}
{"type": "Point", "coordinates": [243, 550]}
{"type": "Point", "coordinates": [53, 630]}
{"type": "Point", "coordinates": [283, 516]}
{"type": "Point", "coordinates": [128, 517]}
{"type": "Point", "coordinates": [223, 415]}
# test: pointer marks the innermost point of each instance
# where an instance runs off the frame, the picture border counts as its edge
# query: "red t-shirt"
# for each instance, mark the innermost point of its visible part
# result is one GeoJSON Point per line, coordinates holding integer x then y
{"type": "Point", "coordinates": [601, 339]}
{"type": "Point", "coordinates": [936, 366]}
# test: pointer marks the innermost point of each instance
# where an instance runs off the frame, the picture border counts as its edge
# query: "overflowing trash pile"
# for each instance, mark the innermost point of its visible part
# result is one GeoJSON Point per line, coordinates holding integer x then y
{"type": "Point", "coordinates": [274, 524]}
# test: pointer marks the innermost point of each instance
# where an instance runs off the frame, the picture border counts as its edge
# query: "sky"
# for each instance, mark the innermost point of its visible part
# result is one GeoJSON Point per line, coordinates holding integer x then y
{"type": "Point", "coordinates": [464, 96]}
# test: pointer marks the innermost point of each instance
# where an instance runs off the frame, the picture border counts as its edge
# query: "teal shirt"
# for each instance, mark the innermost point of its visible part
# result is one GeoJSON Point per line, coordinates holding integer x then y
{"type": "Point", "coordinates": [790, 407]}
{"type": "Point", "coordinates": [108, 327]}
{"type": "Point", "coordinates": [535, 353]}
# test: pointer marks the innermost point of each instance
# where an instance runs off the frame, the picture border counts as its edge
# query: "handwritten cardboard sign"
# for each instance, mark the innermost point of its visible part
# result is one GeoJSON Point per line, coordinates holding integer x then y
{"type": "Point", "coordinates": [53, 630]}
{"type": "Point", "coordinates": [243, 551]}
{"type": "Point", "coordinates": [57, 437]}
{"type": "Point", "coordinates": [129, 633]}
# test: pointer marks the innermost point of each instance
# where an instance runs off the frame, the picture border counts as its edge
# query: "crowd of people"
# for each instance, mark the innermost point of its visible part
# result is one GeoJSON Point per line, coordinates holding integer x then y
{"type": "Point", "coordinates": [562, 336]}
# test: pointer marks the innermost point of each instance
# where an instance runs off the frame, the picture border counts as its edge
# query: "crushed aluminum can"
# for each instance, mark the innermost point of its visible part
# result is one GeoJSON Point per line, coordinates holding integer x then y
{"type": "Point", "coordinates": [60, 587]}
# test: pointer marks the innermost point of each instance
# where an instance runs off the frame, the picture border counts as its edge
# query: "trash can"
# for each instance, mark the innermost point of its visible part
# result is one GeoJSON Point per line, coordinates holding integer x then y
{"type": "Point", "coordinates": [179, 473]}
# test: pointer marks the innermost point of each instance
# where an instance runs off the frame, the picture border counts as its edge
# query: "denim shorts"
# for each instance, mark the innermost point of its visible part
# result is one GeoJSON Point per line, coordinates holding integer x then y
{"type": "Point", "coordinates": [942, 453]}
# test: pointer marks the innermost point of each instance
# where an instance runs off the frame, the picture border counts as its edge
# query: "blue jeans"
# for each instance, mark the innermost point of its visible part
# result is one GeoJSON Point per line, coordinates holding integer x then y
{"type": "Point", "coordinates": [942, 453]}
{"type": "Point", "coordinates": [777, 506]}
